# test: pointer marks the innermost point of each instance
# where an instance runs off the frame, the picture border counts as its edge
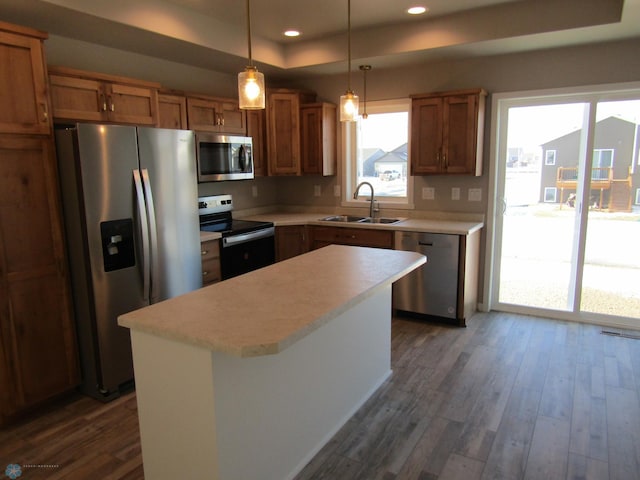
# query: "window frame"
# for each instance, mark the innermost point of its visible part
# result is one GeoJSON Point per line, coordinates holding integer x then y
{"type": "Point", "coordinates": [350, 156]}
{"type": "Point", "coordinates": [550, 161]}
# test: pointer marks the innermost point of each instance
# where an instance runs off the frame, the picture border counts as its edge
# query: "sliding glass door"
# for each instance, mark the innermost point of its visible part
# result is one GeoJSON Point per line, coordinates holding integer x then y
{"type": "Point", "coordinates": [566, 235]}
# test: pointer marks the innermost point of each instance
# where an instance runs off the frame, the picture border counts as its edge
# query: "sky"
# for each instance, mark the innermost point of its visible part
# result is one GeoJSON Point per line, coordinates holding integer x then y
{"type": "Point", "coordinates": [386, 131]}
{"type": "Point", "coordinates": [533, 126]}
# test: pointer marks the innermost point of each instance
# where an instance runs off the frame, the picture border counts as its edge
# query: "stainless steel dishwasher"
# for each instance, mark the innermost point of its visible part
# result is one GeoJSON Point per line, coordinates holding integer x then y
{"type": "Point", "coordinates": [431, 289]}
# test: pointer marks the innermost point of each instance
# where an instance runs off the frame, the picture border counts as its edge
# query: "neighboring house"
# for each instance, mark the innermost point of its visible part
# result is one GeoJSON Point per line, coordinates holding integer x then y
{"type": "Point", "coordinates": [615, 178]}
{"type": "Point", "coordinates": [371, 156]}
{"type": "Point", "coordinates": [377, 161]}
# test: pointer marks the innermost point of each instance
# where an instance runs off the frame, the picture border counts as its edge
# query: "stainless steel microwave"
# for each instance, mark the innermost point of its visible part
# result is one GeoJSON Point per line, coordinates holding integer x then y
{"type": "Point", "coordinates": [223, 157]}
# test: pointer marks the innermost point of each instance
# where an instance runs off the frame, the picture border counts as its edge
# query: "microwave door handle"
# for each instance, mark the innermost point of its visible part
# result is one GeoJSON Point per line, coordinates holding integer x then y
{"type": "Point", "coordinates": [153, 235]}
{"type": "Point", "coordinates": [144, 226]}
{"type": "Point", "coordinates": [242, 158]}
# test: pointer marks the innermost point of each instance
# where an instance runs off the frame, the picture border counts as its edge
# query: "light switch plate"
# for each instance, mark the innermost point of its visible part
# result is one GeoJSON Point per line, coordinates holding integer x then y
{"type": "Point", "coordinates": [455, 193]}
{"type": "Point", "coordinates": [428, 193]}
{"type": "Point", "coordinates": [475, 194]}
{"type": "Point", "coordinates": [316, 190]}
{"type": "Point", "coordinates": [336, 190]}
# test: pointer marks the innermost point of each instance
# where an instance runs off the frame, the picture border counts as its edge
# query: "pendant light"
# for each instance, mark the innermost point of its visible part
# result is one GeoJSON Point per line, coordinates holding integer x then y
{"type": "Point", "coordinates": [349, 101]}
{"type": "Point", "coordinates": [251, 81]}
{"type": "Point", "coordinates": [365, 69]}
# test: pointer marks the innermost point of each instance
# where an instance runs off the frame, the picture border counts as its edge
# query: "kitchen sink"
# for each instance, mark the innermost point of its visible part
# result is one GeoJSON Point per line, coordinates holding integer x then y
{"type": "Point", "coordinates": [356, 219]}
{"type": "Point", "coordinates": [384, 220]}
{"type": "Point", "coordinates": [343, 218]}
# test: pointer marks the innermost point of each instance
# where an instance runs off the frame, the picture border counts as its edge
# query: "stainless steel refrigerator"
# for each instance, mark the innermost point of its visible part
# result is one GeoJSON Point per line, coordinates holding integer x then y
{"type": "Point", "coordinates": [130, 206]}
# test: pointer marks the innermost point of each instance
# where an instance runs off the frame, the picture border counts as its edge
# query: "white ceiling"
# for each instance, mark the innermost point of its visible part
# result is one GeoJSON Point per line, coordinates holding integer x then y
{"type": "Point", "coordinates": [212, 33]}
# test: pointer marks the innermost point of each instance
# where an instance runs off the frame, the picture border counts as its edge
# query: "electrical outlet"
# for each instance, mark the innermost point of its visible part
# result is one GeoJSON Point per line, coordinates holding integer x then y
{"type": "Point", "coordinates": [475, 194]}
{"type": "Point", "coordinates": [336, 191]}
{"type": "Point", "coordinates": [428, 193]}
{"type": "Point", "coordinates": [455, 193]}
{"type": "Point", "coordinates": [316, 191]}
{"type": "Point", "coordinates": [254, 190]}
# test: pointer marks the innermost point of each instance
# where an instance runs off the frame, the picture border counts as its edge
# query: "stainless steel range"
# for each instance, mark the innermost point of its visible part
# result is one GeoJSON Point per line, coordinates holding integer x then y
{"type": "Point", "coordinates": [246, 245]}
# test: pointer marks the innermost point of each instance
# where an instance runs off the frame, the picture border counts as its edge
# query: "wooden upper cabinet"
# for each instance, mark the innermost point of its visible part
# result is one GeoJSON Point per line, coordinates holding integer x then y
{"type": "Point", "coordinates": [172, 111]}
{"type": "Point", "coordinates": [220, 115]}
{"type": "Point", "coordinates": [24, 104]}
{"type": "Point", "coordinates": [283, 130]}
{"type": "Point", "coordinates": [447, 131]}
{"type": "Point", "coordinates": [318, 138]}
{"type": "Point", "coordinates": [77, 95]}
{"type": "Point", "coordinates": [256, 129]}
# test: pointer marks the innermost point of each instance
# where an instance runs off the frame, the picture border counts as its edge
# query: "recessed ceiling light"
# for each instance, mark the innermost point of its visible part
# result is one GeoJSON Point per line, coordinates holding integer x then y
{"type": "Point", "coordinates": [419, 10]}
{"type": "Point", "coordinates": [292, 33]}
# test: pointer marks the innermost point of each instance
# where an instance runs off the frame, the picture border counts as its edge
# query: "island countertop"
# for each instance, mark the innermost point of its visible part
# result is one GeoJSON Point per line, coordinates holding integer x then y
{"type": "Point", "coordinates": [265, 311]}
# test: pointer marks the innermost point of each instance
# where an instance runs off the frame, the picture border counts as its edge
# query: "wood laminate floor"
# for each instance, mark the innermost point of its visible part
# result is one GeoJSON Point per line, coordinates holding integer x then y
{"type": "Point", "coordinates": [509, 397]}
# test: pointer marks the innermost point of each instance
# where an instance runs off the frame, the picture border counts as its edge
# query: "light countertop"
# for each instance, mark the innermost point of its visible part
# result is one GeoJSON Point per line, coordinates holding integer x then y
{"type": "Point", "coordinates": [206, 236]}
{"type": "Point", "coordinates": [265, 311]}
{"type": "Point", "coordinates": [456, 227]}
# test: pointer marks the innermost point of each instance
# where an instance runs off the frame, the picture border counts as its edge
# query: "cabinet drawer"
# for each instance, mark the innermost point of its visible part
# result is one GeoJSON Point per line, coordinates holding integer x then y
{"type": "Point", "coordinates": [210, 249]}
{"type": "Point", "coordinates": [352, 236]}
{"type": "Point", "coordinates": [211, 271]}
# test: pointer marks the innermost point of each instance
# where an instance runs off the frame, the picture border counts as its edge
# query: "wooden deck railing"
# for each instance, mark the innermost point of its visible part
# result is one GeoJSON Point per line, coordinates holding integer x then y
{"type": "Point", "coordinates": [601, 177]}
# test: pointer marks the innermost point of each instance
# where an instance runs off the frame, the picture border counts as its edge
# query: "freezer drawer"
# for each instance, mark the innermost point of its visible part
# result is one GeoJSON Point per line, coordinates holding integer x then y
{"type": "Point", "coordinates": [432, 289]}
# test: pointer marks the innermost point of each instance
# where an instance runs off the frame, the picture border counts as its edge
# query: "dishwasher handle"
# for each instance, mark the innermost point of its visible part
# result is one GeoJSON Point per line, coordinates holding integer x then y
{"type": "Point", "coordinates": [425, 244]}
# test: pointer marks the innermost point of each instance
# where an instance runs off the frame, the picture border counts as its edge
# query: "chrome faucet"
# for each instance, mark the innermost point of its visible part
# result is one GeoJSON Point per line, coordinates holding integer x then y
{"type": "Point", "coordinates": [371, 199]}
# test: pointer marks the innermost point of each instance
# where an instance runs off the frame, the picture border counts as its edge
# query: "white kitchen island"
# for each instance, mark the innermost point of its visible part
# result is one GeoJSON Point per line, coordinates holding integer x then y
{"type": "Point", "coordinates": [249, 378]}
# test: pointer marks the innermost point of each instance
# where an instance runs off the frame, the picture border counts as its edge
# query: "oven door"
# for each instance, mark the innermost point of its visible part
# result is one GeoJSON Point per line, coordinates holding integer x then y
{"type": "Point", "coordinates": [247, 252]}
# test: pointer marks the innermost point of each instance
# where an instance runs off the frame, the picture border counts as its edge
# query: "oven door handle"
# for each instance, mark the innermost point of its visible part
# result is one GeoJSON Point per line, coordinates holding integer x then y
{"type": "Point", "coordinates": [247, 237]}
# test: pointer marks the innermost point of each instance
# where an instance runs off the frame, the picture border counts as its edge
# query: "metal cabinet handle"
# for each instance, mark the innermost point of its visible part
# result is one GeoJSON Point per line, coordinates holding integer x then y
{"type": "Point", "coordinates": [112, 107]}
{"type": "Point", "coordinates": [45, 112]}
{"type": "Point", "coordinates": [103, 99]}
{"type": "Point", "coordinates": [204, 252]}
{"type": "Point", "coordinates": [204, 274]}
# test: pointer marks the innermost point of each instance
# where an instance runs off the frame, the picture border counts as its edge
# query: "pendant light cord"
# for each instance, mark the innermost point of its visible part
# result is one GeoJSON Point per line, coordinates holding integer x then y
{"type": "Point", "coordinates": [349, 43]}
{"type": "Point", "coordinates": [249, 32]}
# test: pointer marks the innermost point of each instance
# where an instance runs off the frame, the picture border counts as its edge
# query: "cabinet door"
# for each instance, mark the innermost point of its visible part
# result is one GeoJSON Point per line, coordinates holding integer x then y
{"type": "Point", "coordinates": [234, 120]}
{"type": "Point", "coordinates": [318, 139]}
{"type": "Point", "coordinates": [256, 130]}
{"type": "Point", "coordinates": [459, 134]}
{"type": "Point", "coordinates": [23, 85]}
{"type": "Point", "coordinates": [36, 329]}
{"type": "Point", "coordinates": [426, 135]}
{"type": "Point", "coordinates": [216, 115]}
{"type": "Point", "coordinates": [203, 115]}
{"type": "Point", "coordinates": [291, 241]}
{"type": "Point", "coordinates": [283, 133]}
{"type": "Point", "coordinates": [172, 111]}
{"type": "Point", "coordinates": [78, 99]}
{"type": "Point", "coordinates": [131, 104]}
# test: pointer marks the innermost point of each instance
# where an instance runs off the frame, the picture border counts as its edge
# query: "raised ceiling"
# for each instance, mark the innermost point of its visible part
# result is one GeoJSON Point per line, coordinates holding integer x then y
{"type": "Point", "coordinates": [212, 33]}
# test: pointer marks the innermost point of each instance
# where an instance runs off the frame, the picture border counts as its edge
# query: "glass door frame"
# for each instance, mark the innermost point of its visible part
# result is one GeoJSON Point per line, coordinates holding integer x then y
{"type": "Point", "coordinates": [501, 102]}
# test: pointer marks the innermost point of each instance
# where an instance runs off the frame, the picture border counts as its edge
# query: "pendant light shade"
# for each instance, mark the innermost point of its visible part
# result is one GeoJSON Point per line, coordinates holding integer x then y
{"type": "Point", "coordinates": [251, 81]}
{"type": "Point", "coordinates": [349, 101]}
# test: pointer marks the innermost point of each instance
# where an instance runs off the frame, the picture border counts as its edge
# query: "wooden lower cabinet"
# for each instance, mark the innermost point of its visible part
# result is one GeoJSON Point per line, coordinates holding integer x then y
{"type": "Point", "coordinates": [37, 336]}
{"type": "Point", "coordinates": [291, 241]}
{"type": "Point", "coordinates": [210, 262]}
{"type": "Point", "coordinates": [363, 237]}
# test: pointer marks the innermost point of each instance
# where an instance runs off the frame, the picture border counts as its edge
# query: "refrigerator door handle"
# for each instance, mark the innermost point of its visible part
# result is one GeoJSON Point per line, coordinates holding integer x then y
{"type": "Point", "coordinates": [153, 235]}
{"type": "Point", "coordinates": [144, 225]}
